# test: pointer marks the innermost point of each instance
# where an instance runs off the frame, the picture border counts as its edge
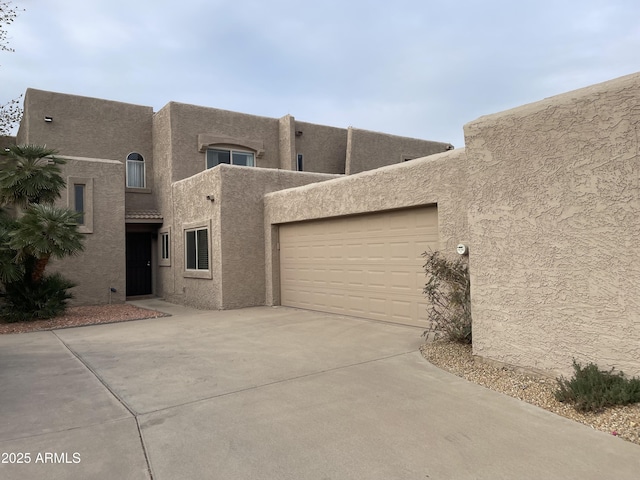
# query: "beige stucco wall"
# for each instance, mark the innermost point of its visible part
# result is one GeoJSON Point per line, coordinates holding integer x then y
{"type": "Point", "coordinates": [236, 222]}
{"type": "Point", "coordinates": [287, 142]}
{"type": "Point", "coordinates": [188, 122]}
{"type": "Point", "coordinates": [86, 127]}
{"type": "Point", "coordinates": [190, 209]}
{"type": "Point", "coordinates": [367, 150]}
{"type": "Point", "coordinates": [438, 179]}
{"type": "Point", "coordinates": [555, 232]}
{"type": "Point", "coordinates": [92, 128]}
{"type": "Point", "coordinates": [323, 148]}
{"type": "Point", "coordinates": [102, 263]}
{"type": "Point", "coordinates": [6, 141]}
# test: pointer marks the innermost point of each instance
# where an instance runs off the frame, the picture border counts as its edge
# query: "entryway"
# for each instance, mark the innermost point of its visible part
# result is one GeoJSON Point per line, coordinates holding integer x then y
{"type": "Point", "coordinates": [139, 270]}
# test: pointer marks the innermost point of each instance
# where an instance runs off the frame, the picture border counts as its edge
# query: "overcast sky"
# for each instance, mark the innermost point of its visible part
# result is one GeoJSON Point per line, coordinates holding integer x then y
{"type": "Point", "coordinates": [419, 68]}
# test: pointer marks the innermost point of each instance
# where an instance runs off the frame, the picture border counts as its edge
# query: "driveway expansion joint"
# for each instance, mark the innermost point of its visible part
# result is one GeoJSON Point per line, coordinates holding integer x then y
{"type": "Point", "coordinates": [133, 413]}
{"type": "Point", "coordinates": [276, 382]}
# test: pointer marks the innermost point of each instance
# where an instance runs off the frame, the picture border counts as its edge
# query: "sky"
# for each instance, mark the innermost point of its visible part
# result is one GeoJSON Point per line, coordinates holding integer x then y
{"type": "Point", "coordinates": [416, 68]}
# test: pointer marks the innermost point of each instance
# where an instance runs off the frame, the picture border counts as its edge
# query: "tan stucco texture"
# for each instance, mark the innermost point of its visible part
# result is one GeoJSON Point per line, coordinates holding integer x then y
{"type": "Point", "coordinates": [101, 266]}
{"type": "Point", "coordinates": [554, 196]}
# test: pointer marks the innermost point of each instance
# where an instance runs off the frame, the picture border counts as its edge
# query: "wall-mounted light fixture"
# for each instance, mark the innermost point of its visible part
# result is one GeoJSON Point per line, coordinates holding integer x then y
{"type": "Point", "coordinates": [48, 119]}
{"type": "Point", "coordinates": [210, 198]}
{"type": "Point", "coordinates": [298, 133]}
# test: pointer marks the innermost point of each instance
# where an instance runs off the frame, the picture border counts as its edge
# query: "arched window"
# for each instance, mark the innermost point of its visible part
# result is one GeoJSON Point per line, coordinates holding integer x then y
{"type": "Point", "coordinates": [135, 170]}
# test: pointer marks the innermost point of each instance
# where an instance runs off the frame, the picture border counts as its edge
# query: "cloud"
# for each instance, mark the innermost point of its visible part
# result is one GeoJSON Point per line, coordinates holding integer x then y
{"type": "Point", "coordinates": [407, 67]}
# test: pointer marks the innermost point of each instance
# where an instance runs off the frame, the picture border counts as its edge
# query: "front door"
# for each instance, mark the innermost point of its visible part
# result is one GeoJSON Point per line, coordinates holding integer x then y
{"type": "Point", "coordinates": [138, 264]}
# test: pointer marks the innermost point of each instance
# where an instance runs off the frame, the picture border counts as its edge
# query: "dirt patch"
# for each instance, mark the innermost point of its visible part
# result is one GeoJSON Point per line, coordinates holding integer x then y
{"type": "Point", "coordinates": [79, 316]}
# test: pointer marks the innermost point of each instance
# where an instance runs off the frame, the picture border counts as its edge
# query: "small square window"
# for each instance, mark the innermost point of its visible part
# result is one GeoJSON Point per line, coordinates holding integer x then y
{"type": "Point", "coordinates": [197, 249]}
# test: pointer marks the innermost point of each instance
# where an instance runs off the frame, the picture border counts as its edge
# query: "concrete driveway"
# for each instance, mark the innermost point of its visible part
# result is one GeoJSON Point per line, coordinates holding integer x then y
{"type": "Point", "coordinates": [270, 393]}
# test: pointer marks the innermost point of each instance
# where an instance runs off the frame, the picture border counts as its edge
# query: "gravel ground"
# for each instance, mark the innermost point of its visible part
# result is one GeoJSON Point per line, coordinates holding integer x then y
{"type": "Point", "coordinates": [623, 422]}
{"type": "Point", "coordinates": [78, 316]}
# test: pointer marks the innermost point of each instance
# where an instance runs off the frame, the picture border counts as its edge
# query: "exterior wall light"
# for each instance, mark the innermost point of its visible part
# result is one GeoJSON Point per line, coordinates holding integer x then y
{"type": "Point", "coordinates": [48, 119]}
{"type": "Point", "coordinates": [462, 249]}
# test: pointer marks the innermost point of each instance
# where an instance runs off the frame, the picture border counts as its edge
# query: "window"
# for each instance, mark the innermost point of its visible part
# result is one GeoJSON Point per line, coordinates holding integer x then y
{"type": "Point", "coordinates": [299, 162]}
{"type": "Point", "coordinates": [78, 203]}
{"type": "Point", "coordinates": [164, 246]}
{"type": "Point", "coordinates": [197, 249]}
{"type": "Point", "coordinates": [135, 170]}
{"type": "Point", "coordinates": [217, 156]}
{"type": "Point", "coordinates": [80, 200]}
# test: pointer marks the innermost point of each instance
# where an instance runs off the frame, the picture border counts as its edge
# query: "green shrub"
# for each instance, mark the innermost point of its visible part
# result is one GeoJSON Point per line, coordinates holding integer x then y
{"type": "Point", "coordinates": [592, 389]}
{"type": "Point", "coordinates": [25, 300]}
{"type": "Point", "coordinates": [448, 289]}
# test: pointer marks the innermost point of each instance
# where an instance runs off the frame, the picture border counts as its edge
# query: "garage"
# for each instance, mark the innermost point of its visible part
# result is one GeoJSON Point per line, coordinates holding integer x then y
{"type": "Point", "coordinates": [364, 265]}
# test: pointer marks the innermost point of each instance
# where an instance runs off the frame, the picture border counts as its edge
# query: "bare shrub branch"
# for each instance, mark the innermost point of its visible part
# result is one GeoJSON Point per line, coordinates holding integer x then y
{"type": "Point", "coordinates": [448, 290]}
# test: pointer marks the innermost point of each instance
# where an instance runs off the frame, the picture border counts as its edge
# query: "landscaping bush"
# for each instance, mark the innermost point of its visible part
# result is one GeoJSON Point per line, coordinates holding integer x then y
{"type": "Point", "coordinates": [592, 389]}
{"type": "Point", "coordinates": [26, 300]}
{"type": "Point", "coordinates": [448, 290]}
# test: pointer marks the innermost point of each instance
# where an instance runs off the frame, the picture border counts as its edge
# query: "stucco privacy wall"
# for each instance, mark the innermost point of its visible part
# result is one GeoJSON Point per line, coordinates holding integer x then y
{"type": "Point", "coordinates": [438, 179]}
{"type": "Point", "coordinates": [235, 218]}
{"type": "Point", "coordinates": [367, 150]}
{"type": "Point", "coordinates": [554, 191]}
{"type": "Point", "coordinates": [101, 266]}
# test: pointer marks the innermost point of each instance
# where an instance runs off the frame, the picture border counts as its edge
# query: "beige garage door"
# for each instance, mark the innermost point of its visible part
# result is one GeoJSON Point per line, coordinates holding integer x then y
{"type": "Point", "coordinates": [367, 265]}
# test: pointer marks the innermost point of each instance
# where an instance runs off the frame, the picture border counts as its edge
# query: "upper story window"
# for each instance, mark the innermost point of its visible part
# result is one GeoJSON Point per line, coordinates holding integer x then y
{"type": "Point", "coordinates": [216, 156]}
{"type": "Point", "coordinates": [135, 170]}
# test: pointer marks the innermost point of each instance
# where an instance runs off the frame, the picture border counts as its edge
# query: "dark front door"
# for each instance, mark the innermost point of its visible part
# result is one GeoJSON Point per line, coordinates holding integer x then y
{"type": "Point", "coordinates": [138, 264]}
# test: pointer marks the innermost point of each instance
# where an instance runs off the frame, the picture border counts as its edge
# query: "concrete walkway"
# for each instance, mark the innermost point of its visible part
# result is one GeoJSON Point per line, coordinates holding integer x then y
{"type": "Point", "coordinates": [270, 393]}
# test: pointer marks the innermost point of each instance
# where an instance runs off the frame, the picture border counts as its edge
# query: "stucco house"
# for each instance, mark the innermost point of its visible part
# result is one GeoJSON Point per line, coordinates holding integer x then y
{"type": "Point", "coordinates": [546, 196]}
{"type": "Point", "coordinates": [173, 200]}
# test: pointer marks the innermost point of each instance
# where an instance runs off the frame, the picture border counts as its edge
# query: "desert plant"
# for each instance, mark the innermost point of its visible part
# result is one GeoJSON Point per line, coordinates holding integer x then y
{"type": "Point", "coordinates": [27, 300]}
{"type": "Point", "coordinates": [592, 389]}
{"type": "Point", "coordinates": [30, 174]}
{"type": "Point", "coordinates": [448, 290]}
{"type": "Point", "coordinates": [32, 231]}
{"type": "Point", "coordinates": [45, 231]}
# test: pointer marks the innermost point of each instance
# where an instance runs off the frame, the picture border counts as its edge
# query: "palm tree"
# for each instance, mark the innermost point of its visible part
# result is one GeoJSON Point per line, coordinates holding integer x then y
{"type": "Point", "coordinates": [32, 230]}
{"type": "Point", "coordinates": [45, 231]}
{"type": "Point", "coordinates": [30, 174]}
{"type": "Point", "coordinates": [10, 271]}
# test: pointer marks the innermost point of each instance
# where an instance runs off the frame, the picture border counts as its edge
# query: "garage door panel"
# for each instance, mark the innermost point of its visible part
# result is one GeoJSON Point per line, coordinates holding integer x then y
{"type": "Point", "coordinates": [369, 265]}
{"type": "Point", "coordinates": [376, 279]}
{"type": "Point", "coordinates": [400, 282]}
